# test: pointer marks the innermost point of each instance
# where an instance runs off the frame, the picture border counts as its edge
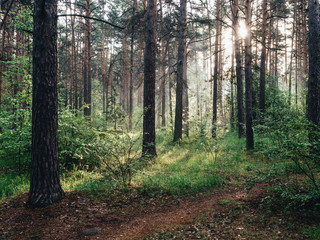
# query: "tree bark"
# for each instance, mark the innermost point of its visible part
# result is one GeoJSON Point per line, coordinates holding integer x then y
{"type": "Point", "coordinates": [66, 63]}
{"type": "Point", "coordinates": [131, 72]}
{"type": "Point", "coordinates": [262, 96]}
{"type": "Point", "coordinates": [1, 63]}
{"type": "Point", "coordinates": [149, 135]}
{"type": "Point", "coordinates": [313, 100]}
{"type": "Point", "coordinates": [45, 185]}
{"type": "Point", "coordinates": [238, 69]}
{"type": "Point", "coordinates": [163, 69]}
{"type": "Point", "coordinates": [232, 121]}
{"type": "Point", "coordinates": [87, 69]}
{"type": "Point", "coordinates": [124, 72]}
{"type": "Point", "coordinates": [180, 70]}
{"type": "Point", "coordinates": [216, 73]}
{"type": "Point", "coordinates": [74, 64]}
{"type": "Point", "coordinates": [248, 74]}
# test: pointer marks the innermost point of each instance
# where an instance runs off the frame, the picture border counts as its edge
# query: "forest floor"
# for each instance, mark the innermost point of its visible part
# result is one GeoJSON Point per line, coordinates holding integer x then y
{"type": "Point", "coordinates": [198, 189]}
{"type": "Point", "coordinates": [228, 212]}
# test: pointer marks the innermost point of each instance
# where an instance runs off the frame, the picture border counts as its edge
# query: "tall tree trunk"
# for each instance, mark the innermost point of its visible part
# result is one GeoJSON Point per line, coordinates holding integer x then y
{"type": "Point", "coordinates": [292, 54]}
{"type": "Point", "coordinates": [71, 68]}
{"type": "Point", "coordinates": [124, 72]}
{"type": "Point", "coordinates": [296, 57]}
{"type": "Point", "coordinates": [313, 101]}
{"type": "Point", "coordinates": [304, 42]}
{"type": "Point", "coordinates": [262, 96]}
{"type": "Point", "coordinates": [66, 64]}
{"type": "Point", "coordinates": [88, 74]}
{"type": "Point", "coordinates": [185, 97]}
{"type": "Point", "coordinates": [248, 73]}
{"type": "Point", "coordinates": [163, 69]}
{"type": "Point", "coordinates": [196, 73]}
{"type": "Point", "coordinates": [141, 54]}
{"type": "Point", "coordinates": [180, 69]}
{"type": "Point", "coordinates": [45, 185]}
{"type": "Point", "coordinates": [210, 53]}
{"type": "Point", "coordinates": [74, 64]}
{"type": "Point", "coordinates": [276, 83]}
{"type": "Point", "coordinates": [232, 122]}
{"type": "Point", "coordinates": [216, 73]}
{"type": "Point", "coordinates": [220, 78]}
{"type": "Point", "coordinates": [149, 135]}
{"type": "Point", "coordinates": [131, 71]}
{"type": "Point", "coordinates": [1, 63]}
{"type": "Point", "coordinates": [109, 85]}
{"type": "Point", "coordinates": [285, 53]}
{"type": "Point", "coordinates": [170, 81]}
{"type": "Point", "coordinates": [238, 69]}
{"type": "Point", "coordinates": [103, 68]}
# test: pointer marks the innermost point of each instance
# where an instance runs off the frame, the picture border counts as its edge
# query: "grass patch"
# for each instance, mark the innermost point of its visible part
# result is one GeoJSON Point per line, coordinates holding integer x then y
{"type": "Point", "coordinates": [194, 165]}
{"type": "Point", "coordinates": [12, 185]}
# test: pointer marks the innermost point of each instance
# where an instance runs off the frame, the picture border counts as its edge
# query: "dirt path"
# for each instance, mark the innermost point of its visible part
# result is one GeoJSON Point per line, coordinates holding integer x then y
{"type": "Point", "coordinates": [76, 217]}
{"type": "Point", "coordinates": [161, 217]}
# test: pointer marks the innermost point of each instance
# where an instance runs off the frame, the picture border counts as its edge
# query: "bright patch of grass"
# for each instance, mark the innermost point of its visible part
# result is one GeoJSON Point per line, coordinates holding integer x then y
{"type": "Point", "coordinates": [12, 185]}
{"type": "Point", "coordinates": [194, 165]}
{"type": "Point", "coordinates": [184, 168]}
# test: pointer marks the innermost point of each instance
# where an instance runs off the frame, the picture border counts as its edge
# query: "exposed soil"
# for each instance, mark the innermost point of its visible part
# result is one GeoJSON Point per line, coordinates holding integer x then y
{"type": "Point", "coordinates": [228, 213]}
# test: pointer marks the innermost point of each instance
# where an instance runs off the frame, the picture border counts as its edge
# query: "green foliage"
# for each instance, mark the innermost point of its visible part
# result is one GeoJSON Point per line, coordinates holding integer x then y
{"type": "Point", "coordinates": [12, 185]}
{"type": "Point", "coordinates": [15, 118]}
{"type": "Point", "coordinates": [284, 136]}
{"type": "Point", "coordinates": [87, 147]}
{"type": "Point", "coordinates": [295, 195]}
{"type": "Point", "coordinates": [23, 21]}
{"type": "Point", "coordinates": [314, 233]}
{"type": "Point", "coordinates": [15, 139]}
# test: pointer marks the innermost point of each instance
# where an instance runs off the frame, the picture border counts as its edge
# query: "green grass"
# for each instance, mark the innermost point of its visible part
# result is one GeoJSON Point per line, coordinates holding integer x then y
{"type": "Point", "coordinates": [194, 165]}
{"type": "Point", "coordinates": [314, 232]}
{"type": "Point", "coordinates": [12, 185]}
{"type": "Point", "coordinates": [181, 170]}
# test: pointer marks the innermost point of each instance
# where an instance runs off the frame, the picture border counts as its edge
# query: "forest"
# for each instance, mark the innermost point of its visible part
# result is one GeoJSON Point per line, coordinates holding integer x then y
{"type": "Point", "coordinates": [159, 119]}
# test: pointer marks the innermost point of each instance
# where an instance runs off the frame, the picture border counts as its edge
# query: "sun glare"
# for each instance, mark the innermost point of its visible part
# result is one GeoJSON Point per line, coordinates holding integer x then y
{"type": "Point", "coordinates": [243, 31]}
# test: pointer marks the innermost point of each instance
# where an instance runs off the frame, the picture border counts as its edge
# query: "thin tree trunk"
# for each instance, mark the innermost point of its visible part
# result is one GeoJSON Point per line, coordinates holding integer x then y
{"type": "Point", "coordinates": [88, 74]}
{"type": "Point", "coordinates": [103, 68]}
{"type": "Point", "coordinates": [185, 98]}
{"type": "Point", "coordinates": [292, 54]}
{"type": "Point", "coordinates": [232, 122]}
{"type": "Point", "coordinates": [216, 73]}
{"type": "Point", "coordinates": [170, 82]}
{"type": "Point", "coordinates": [163, 70]}
{"type": "Point", "coordinates": [1, 63]}
{"type": "Point", "coordinates": [238, 69]}
{"type": "Point", "coordinates": [210, 54]}
{"type": "Point", "coordinates": [74, 63]}
{"type": "Point", "coordinates": [304, 43]}
{"type": "Point", "coordinates": [180, 69]}
{"type": "Point", "coordinates": [262, 96]}
{"type": "Point", "coordinates": [276, 83]}
{"type": "Point", "coordinates": [124, 73]}
{"type": "Point", "coordinates": [109, 85]}
{"type": "Point", "coordinates": [66, 63]}
{"type": "Point", "coordinates": [131, 72]}
{"type": "Point", "coordinates": [296, 58]}
{"type": "Point", "coordinates": [248, 74]}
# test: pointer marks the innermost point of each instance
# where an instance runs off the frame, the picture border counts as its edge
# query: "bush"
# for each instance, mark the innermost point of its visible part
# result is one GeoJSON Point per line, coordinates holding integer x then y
{"type": "Point", "coordinates": [284, 135]}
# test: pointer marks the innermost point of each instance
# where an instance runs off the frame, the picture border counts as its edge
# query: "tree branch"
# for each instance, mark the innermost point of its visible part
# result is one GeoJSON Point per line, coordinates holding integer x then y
{"type": "Point", "coordinates": [93, 18]}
